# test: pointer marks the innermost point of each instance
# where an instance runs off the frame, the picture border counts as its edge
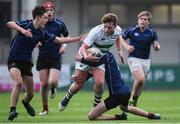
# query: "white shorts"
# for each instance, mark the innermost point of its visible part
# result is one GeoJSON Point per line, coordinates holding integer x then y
{"type": "Point", "coordinates": [85, 67]}
{"type": "Point", "coordinates": [142, 64]}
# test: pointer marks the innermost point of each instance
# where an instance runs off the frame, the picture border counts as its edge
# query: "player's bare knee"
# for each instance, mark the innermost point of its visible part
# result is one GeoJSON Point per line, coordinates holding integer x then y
{"type": "Point", "coordinates": [18, 85]}
{"type": "Point", "coordinates": [44, 84]}
{"type": "Point", "coordinates": [141, 80]}
{"type": "Point", "coordinates": [54, 83]}
{"type": "Point", "coordinates": [91, 117]}
{"type": "Point", "coordinates": [124, 108]}
{"type": "Point", "coordinates": [77, 78]}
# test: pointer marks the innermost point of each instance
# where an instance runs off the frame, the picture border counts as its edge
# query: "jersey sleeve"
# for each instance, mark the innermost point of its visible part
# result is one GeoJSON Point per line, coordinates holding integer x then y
{"type": "Point", "coordinates": [91, 37]}
{"type": "Point", "coordinates": [23, 23]}
{"type": "Point", "coordinates": [126, 34]}
{"type": "Point", "coordinates": [155, 37]}
{"type": "Point", "coordinates": [65, 31]}
{"type": "Point", "coordinates": [47, 37]}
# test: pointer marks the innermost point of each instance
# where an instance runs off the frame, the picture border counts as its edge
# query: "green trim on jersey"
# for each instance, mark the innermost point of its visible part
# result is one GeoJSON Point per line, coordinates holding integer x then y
{"type": "Point", "coordinates": [103, 46]}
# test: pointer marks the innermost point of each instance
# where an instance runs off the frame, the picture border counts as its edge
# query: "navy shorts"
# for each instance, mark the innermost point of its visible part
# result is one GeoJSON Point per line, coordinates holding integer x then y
{"type": "Point", "coordinates": [23, 66]}
{"type": "Point", "coordinates": [114, 100]}
{"type": "Point", "coordinates": [48, 63]}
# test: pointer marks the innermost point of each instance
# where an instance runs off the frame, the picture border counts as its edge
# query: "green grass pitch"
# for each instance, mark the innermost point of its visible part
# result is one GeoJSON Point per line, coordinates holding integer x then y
{"type": "Point", "coordinates": [166, 103]}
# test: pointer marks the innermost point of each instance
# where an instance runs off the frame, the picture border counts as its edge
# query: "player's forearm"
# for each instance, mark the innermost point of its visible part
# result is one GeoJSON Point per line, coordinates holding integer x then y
{"type": "Point", "coordinates": [62, 40]}
{"type": "Point", "coordinates": [13, 25]}
{"type": "Point", "coordinates": [83, 52]}
{"type": "Point", "coordinates": [118, 44]}
{"type": "Point", "coordinates": [124, 44]}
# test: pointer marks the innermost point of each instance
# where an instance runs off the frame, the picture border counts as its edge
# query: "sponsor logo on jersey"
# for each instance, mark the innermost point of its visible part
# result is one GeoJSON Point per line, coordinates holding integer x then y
{"type": "Point", "coordinates": [136, 34]}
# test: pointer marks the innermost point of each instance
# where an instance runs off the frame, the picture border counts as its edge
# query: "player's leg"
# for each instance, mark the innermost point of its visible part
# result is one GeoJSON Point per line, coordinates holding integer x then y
{"type": "Point", "coordinates": [97, 111]}
{"type": "Point", "coordinates": [99, 75]}
{"type": "Point", "coordinates": [138, 85]}
{"type": "Point", "coordinates": [28, 85]}
{"type": "Point", "coordinates": [140, 112]}
{"type": "Point", "coordinates": [139, 79]}
{"type": "Point", "coordinates": [80, 78]}
{"type": "Point", "coordinates": [15, 74]}
{"type": "Point", "coordinates": [53, 81]}
{"type": "Point", "coordinates": [109, 103]}
{"type": "Point", "coordinates": [44, 75]}
{"type": "Point", "coordinates": [54, 73]}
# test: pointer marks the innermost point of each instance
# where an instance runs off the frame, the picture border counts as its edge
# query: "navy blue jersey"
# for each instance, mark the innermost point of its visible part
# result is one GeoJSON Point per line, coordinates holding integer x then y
{"type": "Point", "coordinates": [51, 49]}
{"type": "Point", "coordinates": [140, 40]}
{"type": "Point", "coordinates": [116, 84]}
{"type": "Point", "coordinates": [21, 46]}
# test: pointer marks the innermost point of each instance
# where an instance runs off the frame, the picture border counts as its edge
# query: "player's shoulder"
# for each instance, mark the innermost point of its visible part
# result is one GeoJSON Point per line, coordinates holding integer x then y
{"type": "Point", "coordinates": [58, 21]}
{"type": "Point", "coordinates": [150, 28]}
{"type": "Point", "coordinates": [135, 27]}
{"type": "Point", "coordinates": [131, 29]}
{"type": "Point", "coordinates": [26, 21]}
{"type": "Point", "coordinates": [118, 29]}
{"type": "Point", "coordinates": [97, 29]}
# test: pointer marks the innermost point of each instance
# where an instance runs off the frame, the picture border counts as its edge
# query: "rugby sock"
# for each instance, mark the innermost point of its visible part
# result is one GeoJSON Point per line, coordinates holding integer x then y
{"type": "Point", "coordinates": [45, 107]}
{"type": "Point", "coordinates": [150, 115]}
{"type": "Point", "coordinates": [135, 98]}
{"type": "Point", "coordinates": [133, 102]}
{"type": "Point", "coordinates": [52, 90]}
{"type": "Point", "coordinates": [12, 109]}
{"type": "Point", "coordinates": [69, 94]}
{"type": "Point", "coordinates": [97, 98]}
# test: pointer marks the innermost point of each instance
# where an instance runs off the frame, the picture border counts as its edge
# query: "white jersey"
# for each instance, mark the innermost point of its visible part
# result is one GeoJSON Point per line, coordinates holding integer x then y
{"type": "Point", "coordinates": [97, 38]}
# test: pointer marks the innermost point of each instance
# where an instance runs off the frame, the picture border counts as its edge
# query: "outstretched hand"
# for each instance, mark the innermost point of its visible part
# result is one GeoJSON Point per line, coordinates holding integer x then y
{"type": "Point", "coordinates": [156, 46]}
{"type": "Point", "coordinates": [83, 37]}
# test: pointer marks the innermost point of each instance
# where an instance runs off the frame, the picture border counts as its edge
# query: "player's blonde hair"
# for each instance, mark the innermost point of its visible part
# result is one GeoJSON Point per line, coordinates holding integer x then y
{"type": "Point", "coordinates": [110, 17]}
{"type": "Point", "coordinates": [145, 13]}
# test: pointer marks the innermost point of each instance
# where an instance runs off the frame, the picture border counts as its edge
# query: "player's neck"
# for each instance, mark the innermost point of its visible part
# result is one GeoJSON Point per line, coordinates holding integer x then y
{"type": "Point", "coordinates": [142, 29]}
{"type": "Point", "coordinates": [35, 24]}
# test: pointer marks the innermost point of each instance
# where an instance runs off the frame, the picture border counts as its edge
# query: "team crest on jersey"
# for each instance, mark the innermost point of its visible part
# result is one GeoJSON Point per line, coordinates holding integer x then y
{"type": "Point", "coordinates": [136, 34]}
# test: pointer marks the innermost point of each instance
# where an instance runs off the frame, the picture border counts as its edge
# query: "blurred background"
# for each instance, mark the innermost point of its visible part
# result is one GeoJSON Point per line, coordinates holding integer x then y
{"type": "Point", "coordinates": [81, 15]}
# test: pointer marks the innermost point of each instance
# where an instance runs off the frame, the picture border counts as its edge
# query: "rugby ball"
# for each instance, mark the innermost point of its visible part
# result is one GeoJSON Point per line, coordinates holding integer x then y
{"type": "Point", "coordinates": [94, 52]}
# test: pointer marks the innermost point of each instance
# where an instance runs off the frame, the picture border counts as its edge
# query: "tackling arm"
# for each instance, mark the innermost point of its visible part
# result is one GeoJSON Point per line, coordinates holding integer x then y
{"type": "Point", "coordinates": [13, 25]}
{"type": "Point", "coordinates": [62, 40]}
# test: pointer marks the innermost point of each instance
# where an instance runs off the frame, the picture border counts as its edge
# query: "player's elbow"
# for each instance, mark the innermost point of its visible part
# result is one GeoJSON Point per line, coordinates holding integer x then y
{"type": "Point", "coordinates": [8, 24]}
